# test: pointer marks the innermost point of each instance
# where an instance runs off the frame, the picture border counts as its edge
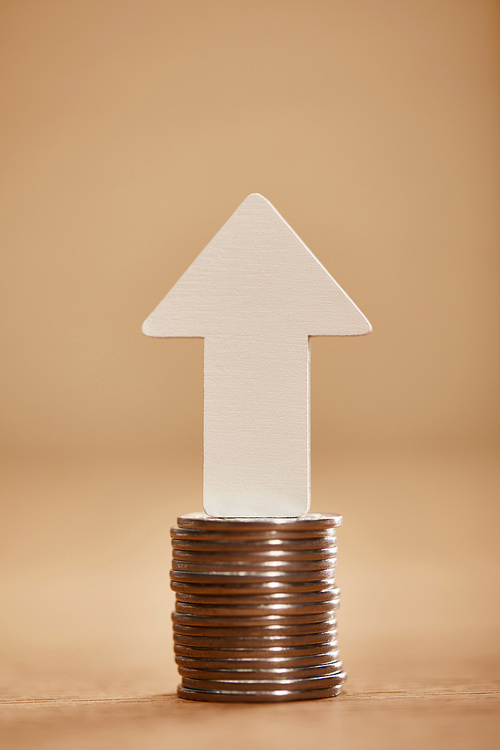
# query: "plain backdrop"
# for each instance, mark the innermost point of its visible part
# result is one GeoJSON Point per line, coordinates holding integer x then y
{"type": "Point", "coordinates": [130, 132]}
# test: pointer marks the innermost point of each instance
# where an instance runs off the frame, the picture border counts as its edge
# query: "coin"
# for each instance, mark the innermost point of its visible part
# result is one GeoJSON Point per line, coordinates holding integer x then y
{"type": "Point", "coordinates": [268, 652]}
{"type": "Point", "coordinates": [240, 589]}
{"type": "Point", "coordinates": [312, 597]}
{"type": "Point", "coordinates": [291, 613]}
{"type": "Point", "coordinates": [247, 556]}
{"type": "Point", "coordinates": [267, 576]}
{"type": "Point", "coordinates": [253, 567]}
{"type": "Point", "coordinates": [272, 662]}
{"type": "Point", "coordinates": [261, 674]}
{"type": "Point", "coordinates": [260, 641]}
{"type": "Point", "coordinates": [255, 608]}
{"type": "Point", "coordinates": [251, 622]}
{"type": "Point", "coordinates": [255, 545]}
{"type": "Point", "coordinates": [308, 521]}
{"type": "Point", "coordinates": [197, 535]}
{"type": "Point", "coordinates": [240, 631]}
{"type": "Point", "coordinates": [306, 683]}
{"type": "Point", "coordinates": [276, 696]}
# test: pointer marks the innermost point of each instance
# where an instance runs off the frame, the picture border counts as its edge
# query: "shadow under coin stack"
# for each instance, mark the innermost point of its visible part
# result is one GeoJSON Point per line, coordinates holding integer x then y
{"type": "Point", "coordinates": [255, 608]}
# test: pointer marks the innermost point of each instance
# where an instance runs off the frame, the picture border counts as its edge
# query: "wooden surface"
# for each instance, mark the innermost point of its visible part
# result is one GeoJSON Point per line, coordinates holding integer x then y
{"type": "Point", "coordinates": [85, 633]}
{"type": "Point", "coordinates": [256, 294]}
{"type": "Point", "coordinates": [453, 704]}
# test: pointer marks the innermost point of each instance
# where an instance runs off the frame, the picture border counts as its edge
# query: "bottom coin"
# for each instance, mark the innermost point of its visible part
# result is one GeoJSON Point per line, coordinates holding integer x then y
{"type": "Point", "coordinates": [252, 686]}
{"type": "Point", "coordinates": [272, 696]}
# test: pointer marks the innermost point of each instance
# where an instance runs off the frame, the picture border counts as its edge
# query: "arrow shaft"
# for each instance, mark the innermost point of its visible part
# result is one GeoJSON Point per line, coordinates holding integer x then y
{"type": "Point", "coordinates": [256, 425]}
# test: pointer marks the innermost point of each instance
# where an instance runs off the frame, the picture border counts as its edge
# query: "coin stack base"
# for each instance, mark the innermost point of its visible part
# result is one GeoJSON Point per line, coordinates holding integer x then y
{"type": "Point", "coordinates": [255, 613]}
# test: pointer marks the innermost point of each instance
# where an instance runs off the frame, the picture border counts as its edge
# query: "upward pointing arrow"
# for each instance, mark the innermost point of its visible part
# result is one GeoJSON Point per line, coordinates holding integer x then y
{"type": "Point", "coordinates": [256, 294]}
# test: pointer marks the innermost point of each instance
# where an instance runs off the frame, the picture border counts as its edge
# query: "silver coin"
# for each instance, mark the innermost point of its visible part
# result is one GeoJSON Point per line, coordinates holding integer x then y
{"type": "Point", "coordinates": [240, 631]}
{"type": "Point", "coordinates": [256, 545]}
{"type": "Point", "coordinates": [262, 652]}
{"type": "Point", "coordinates": [243, 589]}
{"type": "Point", "coordinates": [277, 696]}
{"type": "Point", "coordinates": [255, 597]}
{"type": "Point", "coordinates": [271, 663]}
{"type": "Point", "coordinates": [247, 556]}
{"type": "Point", "coordinates": [261, 641]}
{"type": "Point", "coordinates": [294, 673]}
{"type": "Point", "coordinates": [309, 521]}
{"type": "Point", "coordinates": [286, 613]}
{"type": "Point", "coordinates": [195, 535]}
{"type": "Point", "coordinates": [273, 599]}
{"type": "Point", "coordinates": [306, 683]}
{"type": "Point", "coordinates": [252, 622]}
{"type": "Point", "coordinates": [253, 567]}
{"type": "Point", "coordinates": [244, 577]}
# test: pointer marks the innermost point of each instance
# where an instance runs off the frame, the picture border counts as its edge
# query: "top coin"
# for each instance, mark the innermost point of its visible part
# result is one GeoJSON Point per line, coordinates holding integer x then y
{"type": "Point", "coordinates": [309, 521]}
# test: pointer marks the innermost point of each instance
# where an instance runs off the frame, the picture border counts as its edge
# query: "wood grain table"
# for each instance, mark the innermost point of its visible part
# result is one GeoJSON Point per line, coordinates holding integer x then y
{"type": "Point", "coordinates": [448, 704]}
{"type": "Point", "coordinates": [85, 633]}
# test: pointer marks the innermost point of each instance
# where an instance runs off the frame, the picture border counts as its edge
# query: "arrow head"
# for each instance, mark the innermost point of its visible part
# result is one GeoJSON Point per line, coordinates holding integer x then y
{"type": "Point", "coordinates": [254, 277]}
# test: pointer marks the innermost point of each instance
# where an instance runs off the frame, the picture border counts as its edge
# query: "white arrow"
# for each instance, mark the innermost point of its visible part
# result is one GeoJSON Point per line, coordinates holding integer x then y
{"type": "Point", "coordinates": [256, 294]}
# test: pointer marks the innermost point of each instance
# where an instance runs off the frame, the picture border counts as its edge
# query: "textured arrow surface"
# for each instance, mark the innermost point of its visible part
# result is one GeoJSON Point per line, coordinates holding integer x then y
{"type": "Point", "coordinates": [256, 294]}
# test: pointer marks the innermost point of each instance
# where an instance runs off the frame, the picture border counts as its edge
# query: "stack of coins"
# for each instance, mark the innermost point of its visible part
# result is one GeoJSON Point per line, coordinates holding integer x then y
{"type": "Point", "coordinates": [255, 608]}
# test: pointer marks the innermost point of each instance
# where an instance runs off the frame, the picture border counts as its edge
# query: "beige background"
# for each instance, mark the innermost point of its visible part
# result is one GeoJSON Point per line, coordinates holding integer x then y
{"type": "Point", "coordinates": [131, 131]}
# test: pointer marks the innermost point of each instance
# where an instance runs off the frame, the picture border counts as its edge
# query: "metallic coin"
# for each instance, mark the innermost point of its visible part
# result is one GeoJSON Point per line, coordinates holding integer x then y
{"type": "Point", "coordinates": [248, 556]}
{"type": "Point", "coordinates": [272, 544]}
{"type": "Point", "coordinates": [255, 608]}
{"type": "Point", "coordinates": [259, 625]}
{"type": "Point", "coordinates": [281, 678]}
{"type": "Point", "coordinates": [307, 683]}
{"type": "Point", "coordinates": [251, 582]}
{"type": "Point", "coordinates": [252, 623]}
{"type": "Point", "coordinates": [242, 589]}
{"type": "Point", "coordinates": [240, 631]}
{"type": "Point", "coordinates": [277, 696]}
{"type": "Point", "coordinates": [266, 576]}
{"type": "Point", "coordinates": [273, 662]}
{"type": "Point", "coordinates": [253, 567]}
{"type": "Point", "coordinates": [264, 652]}
{"type": "Point", "coordinates": [309, 521]}
{"type": "Point", "coordinates": [235, 537]}
{"type": "Point", "coordinates": [281, 599]}
{"type": "Point", "coordinates": [256, 642]}
{"type": "Point", "coordinates": [297, 673]}
{"type": "Point", "coordinates": [293, 614]}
